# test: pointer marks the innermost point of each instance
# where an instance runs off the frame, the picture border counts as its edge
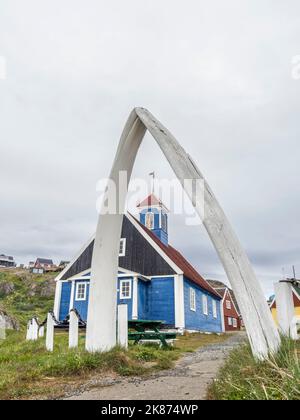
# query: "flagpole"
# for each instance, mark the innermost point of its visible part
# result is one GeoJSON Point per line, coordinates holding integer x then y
{"type": "Point", "coordinates": [153, 178]}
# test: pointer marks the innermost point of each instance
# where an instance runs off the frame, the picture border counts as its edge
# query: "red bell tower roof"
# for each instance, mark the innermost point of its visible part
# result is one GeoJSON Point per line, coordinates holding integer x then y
{"type": "Point", "coordinates": [151, 200]}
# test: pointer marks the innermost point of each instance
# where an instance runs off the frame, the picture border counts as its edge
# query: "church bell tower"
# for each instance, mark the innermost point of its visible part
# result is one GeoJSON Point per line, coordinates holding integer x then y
{"type": "Point", "coordinates": [154, 215]}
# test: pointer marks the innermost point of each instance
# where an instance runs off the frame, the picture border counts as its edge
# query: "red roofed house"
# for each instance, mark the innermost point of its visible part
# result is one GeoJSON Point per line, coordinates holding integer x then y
{"type": "Point", "coordinates": [296, 298]}
{"type": "Point", "coordinates": [231, 313]}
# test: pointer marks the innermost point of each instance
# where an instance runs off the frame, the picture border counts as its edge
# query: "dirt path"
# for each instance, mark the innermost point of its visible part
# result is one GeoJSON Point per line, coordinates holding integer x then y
{"type": "Point", "coordinates": [189, 379]}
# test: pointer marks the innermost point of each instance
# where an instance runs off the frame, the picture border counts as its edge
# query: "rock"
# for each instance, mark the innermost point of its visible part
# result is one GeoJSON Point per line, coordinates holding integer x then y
{"type": "Point", "coordinates": [10, 323]}
{"type": "Point", "coordinates": [48, 289]}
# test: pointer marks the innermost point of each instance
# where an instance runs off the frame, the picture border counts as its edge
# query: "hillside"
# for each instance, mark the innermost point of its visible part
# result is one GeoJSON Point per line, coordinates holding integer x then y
{"type": "Point", "coordinates": [23, 295]}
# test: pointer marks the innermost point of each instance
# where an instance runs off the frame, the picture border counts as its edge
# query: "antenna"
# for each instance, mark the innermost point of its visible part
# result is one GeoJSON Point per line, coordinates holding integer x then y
{"type": "Point", "coordinates": [294, 272]}
{"type": "Point", "coordinates": [153, 181]}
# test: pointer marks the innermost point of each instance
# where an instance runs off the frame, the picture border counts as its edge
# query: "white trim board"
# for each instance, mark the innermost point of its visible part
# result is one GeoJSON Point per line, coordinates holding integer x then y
{"type": "Point", "coordinates": [144, 234]}
{"type": "Point", "coordinates": [66, 269]}
{"type": "Point", "coordinates": [80, 283]}
{"type": "Point", "coordinates": [179, 301]}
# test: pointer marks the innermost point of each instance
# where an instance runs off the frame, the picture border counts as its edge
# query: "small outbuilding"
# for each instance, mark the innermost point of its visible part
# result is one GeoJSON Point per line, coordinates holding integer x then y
{"type": "Point", "coordinates": [232, 320]}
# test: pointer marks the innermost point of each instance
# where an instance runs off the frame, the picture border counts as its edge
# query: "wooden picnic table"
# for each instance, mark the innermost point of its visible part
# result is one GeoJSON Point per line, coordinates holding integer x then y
{"type": "Point", "coordinates": [148, 330]}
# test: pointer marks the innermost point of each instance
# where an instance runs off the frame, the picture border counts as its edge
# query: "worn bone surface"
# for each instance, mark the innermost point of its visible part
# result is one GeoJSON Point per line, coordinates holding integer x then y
{"type": "Point", "coordinates": [101, 325]}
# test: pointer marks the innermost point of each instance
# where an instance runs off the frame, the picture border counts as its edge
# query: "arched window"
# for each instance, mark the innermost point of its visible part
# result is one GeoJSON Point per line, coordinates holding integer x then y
{"type": "Point", "coordinates": [150, 220]}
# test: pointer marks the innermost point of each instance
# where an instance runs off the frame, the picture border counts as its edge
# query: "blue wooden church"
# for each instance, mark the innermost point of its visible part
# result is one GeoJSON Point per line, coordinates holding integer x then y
{"type": "Point", "coordinates": [154, 279]}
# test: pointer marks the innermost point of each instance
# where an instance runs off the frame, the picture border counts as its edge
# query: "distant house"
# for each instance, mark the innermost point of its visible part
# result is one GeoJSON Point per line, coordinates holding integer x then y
{"type": "Point", "coordinates": [296, 297]}
{"type": "Point", "coordinates": [63, 264]}
{"type": "Point", "coordinates": [37, 269]}
{"type": "Point", "coordinates": [41, 265]}
{"type": "Point", "coordinates": [7, 261]}
{"type": "Point", "coordinates": [44, 262]}
{"type": "Point", "coordinates": [231, 313]}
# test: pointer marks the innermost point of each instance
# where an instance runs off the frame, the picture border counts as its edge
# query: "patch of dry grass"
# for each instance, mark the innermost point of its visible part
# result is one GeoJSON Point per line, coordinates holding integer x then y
{"type": "Point", "coordinates": [243, 378]}
{"type": "Point", "coordinates": [28, 371]}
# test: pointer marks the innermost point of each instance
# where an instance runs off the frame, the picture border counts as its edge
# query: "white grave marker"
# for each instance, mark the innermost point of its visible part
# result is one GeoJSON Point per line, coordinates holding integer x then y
{"type": "Point", "coordinates": [35, 329]}
{"type": "Point", "coordinates": [2, 328]}
{"type": "Point", "coordinates": [123, 326]}
{"type": "Point", "coordinates": [50, 333]}
{"type": "Point", "coordinates": [73, 330]}
{"type": "Point", "coordinates": [41, 332]}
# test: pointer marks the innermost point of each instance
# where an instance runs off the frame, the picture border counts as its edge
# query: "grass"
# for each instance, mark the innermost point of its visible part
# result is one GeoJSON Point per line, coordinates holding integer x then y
{"type": "Point", "coordinates": [27, 371]}
{"type": "Point", "coordinates": [28, 297]}
{"type": "Point", "coordinates": [243, 378]}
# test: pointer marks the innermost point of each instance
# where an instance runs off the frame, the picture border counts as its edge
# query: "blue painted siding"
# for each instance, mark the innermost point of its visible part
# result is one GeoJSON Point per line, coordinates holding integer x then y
{"type": "Point", "coordinates": [127, 302]}
{"type": "Point", "coordinates": [198, 320]}
{"type": "Point", "coordinates": [155, 302]}
{"type": "Point", "coordinates": [82, 305]}
{"type": "Point", "coordinates": [161, 300]}
{"type": "Point", "coordinates": [157, 230]}
{"type": "Point", "coordinates": [65, 300]}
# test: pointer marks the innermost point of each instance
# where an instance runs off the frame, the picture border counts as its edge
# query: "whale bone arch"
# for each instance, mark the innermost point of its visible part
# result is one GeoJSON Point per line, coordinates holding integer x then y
{"type": "Point", "coordinates": [101, 324]}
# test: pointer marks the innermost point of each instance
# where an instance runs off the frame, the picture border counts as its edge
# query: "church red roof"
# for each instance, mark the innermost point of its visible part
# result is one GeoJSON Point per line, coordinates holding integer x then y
{"type": "Point", "coordinates": [188, 270]}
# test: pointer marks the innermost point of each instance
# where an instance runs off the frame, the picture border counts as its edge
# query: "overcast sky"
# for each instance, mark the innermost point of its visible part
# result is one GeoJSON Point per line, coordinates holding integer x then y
{"type": "Point", "coordinates": [217, 74]}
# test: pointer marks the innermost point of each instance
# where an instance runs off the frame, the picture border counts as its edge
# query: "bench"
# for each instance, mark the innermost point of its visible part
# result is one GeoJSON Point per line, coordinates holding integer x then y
{"type": "Point", "coordinates": [149, 331]}
{"type": "Point", "coordinates": [151, 336]}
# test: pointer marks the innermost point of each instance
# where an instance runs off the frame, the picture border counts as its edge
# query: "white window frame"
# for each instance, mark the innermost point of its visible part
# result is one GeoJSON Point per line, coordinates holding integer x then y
{"type": "Point", "coordinates": [205, 304]}
{"type": "Point", "coordinates": [234, 323]}
{"type": "Point", "coordinates": [215, 309]}
{"type": "Point", "coordinates": [122, 247]}
{"type": "Point", "coordinates": [228, 304]}
{"type": "Point", "coordinates": [78, 299]}
{"type": "Point", "coordinates": [150, 213]}
{"type": "Point", "coordinates": [122, 297]}
{"type": "Point", "coordinates": [230, 321]}
{"type": "Point", "coordinates": [192, 299]}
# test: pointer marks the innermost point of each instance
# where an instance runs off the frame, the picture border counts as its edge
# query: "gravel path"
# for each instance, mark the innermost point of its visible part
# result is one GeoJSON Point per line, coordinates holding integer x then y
{"type": "Point", "coordinates": [189, 379]}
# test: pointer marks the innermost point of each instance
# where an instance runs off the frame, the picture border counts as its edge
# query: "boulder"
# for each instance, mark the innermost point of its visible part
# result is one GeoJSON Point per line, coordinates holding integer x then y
{"type": "Point", "coordinates": [6, 288]}
{"type": "Point", "coordinates": [10, 323]}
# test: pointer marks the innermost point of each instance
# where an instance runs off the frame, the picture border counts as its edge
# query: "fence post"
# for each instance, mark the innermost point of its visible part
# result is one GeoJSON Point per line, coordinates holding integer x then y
{"type": "Point", "coordinates": [50, 333]}
{"type": "Point", "coordinates": [41, 331]}
{"type": "Point", "coordinates": [73, 330]}
{"type": "Point", "coordinates": [123, 326]}
{"type": "Point", "coordinates": [294, 328]}
{"type": "Point", "coordinates": [2, 328]}
{"type": "Point", "coordinates": [35, 329]}
{"type": "Point", "coordinates": [29, 330]}
{"type": "Point", "coordinates": [32, 330]}
{"type": "Point", "coordinates": [285, 306]}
